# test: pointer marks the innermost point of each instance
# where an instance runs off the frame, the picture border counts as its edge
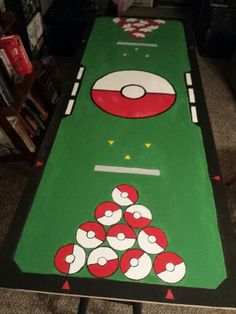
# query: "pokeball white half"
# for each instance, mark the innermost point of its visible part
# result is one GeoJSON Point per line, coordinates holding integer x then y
{"type": "Point", "coordinates": [138, 35]}
{"type": "Point", "coordinates": [169, 267]}
{"type": "Point", "coordinates": [146, 30]}
{"type": "Point", "coordinates": [124, 195]}
{"type": "Point", "coordinates": [138, 216]}
{"type": "Point", "coordinates": [152, 240]}
{"type": "Point", "coordinates": [108, 213]}
{"type": "Point", "coordinates": [102, 262]}
{"type": "Point", "coordinates": [133, 94]}
{"type": "Point", "coordinates": [131, 20]}
{"type": "Point", "coordinates": [69, 259]}
{"type": "Point", "coordinates": [90, 234]}
{"type": "Point", "coordinates": [121, 237]}
{"type": "Point", "coordinates": [135, 264]}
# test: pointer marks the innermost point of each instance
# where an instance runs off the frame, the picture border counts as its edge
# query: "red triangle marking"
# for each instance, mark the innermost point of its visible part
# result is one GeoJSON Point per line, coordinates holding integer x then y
{"type": "Point", "coordinates": [217, 178]}
{"type": "Point", "coordinates": [39, 163]}
{"type": "Point", "coordinates": [66, 285]}
{"type": "Point", "coordinates": [169, 295]}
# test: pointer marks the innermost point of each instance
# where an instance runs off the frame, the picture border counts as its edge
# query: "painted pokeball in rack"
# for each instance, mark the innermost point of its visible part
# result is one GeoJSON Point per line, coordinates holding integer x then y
{"type": "Point", "coordinates": [103, 261]}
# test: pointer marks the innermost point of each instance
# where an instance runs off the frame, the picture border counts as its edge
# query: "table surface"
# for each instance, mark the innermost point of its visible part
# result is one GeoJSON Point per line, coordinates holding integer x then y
{"type": "Point", "coordinates": [133, 159]}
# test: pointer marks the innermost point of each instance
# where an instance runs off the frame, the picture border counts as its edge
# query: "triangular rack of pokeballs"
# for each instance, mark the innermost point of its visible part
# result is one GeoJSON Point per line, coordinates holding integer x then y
{"type": "Point", "coordinates": [103, 261]}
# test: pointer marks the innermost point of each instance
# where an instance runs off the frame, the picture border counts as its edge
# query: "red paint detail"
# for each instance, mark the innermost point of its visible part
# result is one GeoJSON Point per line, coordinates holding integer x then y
{"type": "Point", "coordinates": [100, 233]}
{"type": "Point", "coordinates": [136, 223]}
{"type": "Point", "coordinates": [127, 256]}
{"type": "Point", "coordinates": [39, 163]}
{"type": "Point", "coordinates": [132, 193]}
{"type": "Point", "coordinates": [162, 259]}
{"type": "Point", "coordinates": [149, 105]}
{"type": "Point", "coordinates": [128, 231]}
{"type": "Point", "coordinates": [103, 207]}
{"type": "Point", "coordinates": [66, 285]}
{"type": "Point", "coordinates": [106, 270]}
{"type": "Point", "coordinates": [169, 295]}
{"type": "Point", "coordinates": [217, 178]}
{"type": "Point", "coordinates": [161, 238]}
{"type": "Point", "coordinates": [60, 258]}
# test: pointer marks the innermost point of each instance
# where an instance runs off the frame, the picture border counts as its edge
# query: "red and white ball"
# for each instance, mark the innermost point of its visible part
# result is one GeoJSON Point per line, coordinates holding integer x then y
{"type": "Point", "coordinates": [121, 237]}
{"type": "Point", "coordinates": [152, 240]}
{"type": "Point", "coordinates": [138, 216]}
{"type": "Point", "coordinates": [103, 262]}
{"type": "Point", "coordinates": [90, 234]}
{"type": "Point", "coordinates": [169, 267]}
{"type": "Point", "coordinates": [108, 213]}
{"type": "Point", "coordinates": [135, 264]}
{"type": "Point", "coordinates": [69, 259]}
{"type": "Point", "coordinates": [124, 195]}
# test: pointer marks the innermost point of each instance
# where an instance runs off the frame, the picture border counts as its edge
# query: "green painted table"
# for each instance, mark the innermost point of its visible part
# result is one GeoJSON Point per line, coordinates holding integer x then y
{"type": "Point", "coordinates": [129, 205]}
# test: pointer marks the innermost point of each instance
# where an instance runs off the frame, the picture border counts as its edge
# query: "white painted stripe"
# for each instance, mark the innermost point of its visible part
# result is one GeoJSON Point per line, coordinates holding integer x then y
{"type": "Point", "coordinates": [191, 95]}
{"type": "Point", "coordinates": [194, 114]}
{"type": "Point", "coordinates": [188, 79]}
{"type": "Point", "coordinates": [80, 73]}
{"type": "Point", "coordinates": [150, 172]}
{"type": "Point", "coordinates": [123, 43]}
{"type": "Point", "coordinates": [69, 106]}
{"type": "Point", "coordinates": [75, 89]}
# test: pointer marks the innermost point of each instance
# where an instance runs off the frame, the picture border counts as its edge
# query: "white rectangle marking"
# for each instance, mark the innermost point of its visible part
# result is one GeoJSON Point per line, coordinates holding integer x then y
{"type": "Point", "coordinates": [69, 107]}
{"type": "Point", "coordinates": [113, 169]}
{"type": "Point", "coordinates": [80, 73]}
{"type": "Point", "coordinates": [124, 43]}
{"type": "Point", "coordinates": [194, 114]}
{"type": "Point", "coordinates": [75, 89]}
{"type": "Point", "coordinates": [191, 95]}
{"type": "Point", "coordinates": [189, 79]}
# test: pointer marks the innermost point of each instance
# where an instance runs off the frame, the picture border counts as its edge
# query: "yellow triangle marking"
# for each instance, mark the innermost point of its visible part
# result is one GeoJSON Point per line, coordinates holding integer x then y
{"type": "Point", "coordinates": [148, 145]}
{"type": "Point", "coordinates": [110, 142]}
{"type": "Point", "coordinates": [127, 157]}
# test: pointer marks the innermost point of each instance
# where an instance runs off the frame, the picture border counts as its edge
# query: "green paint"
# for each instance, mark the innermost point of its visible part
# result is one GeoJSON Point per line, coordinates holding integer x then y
{"type": "Point", "coordinates": [181, 199]}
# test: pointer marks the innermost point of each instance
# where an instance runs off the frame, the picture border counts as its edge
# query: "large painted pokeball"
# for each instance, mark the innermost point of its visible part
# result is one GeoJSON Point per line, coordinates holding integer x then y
{"type": "Point", "coordinates": [103, 262]}
{"type": "Point", "coordinates": [69, 259]}
{"type": "Point", "coordinates": [108, 213]}
{"type": "Point", "coordinates": [133, 94]}
{"type": "Point", "coordinates": [138, 216]}
{"type": "Point", "coordinates": [124, 195]}
{"type": "Point", "coordinates": [169, 267]}
{"type": "Point", "coordinates": [135, 264]}
{"type": "Point", "coordinates": [90, 234]}
{"type": "Point", "coordinates": [152, 240]}
{"type": "Point", "coordinates": [121, 237]}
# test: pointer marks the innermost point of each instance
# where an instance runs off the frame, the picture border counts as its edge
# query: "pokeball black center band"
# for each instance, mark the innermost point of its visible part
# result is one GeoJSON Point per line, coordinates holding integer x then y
{"type": "Point", "coordinates": [133, 91]}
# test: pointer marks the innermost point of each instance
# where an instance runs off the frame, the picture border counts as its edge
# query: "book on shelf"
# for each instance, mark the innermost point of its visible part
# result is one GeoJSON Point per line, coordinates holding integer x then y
{"type": "Point", "coordinates": [34, 114]}
{"type": "Point", "coordinates": [38, 105]}
{"type": "Point", "coordinates": [7, 66]}
{"type": "Point", "coordinates": [5, 92]}
{"type": "Point", "coordinates": [18, 127]}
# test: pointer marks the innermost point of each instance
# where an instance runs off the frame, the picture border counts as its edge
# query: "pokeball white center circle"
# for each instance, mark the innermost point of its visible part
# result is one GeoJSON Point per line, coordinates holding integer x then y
{"type": "Point", "coordinates": [120, 236]}
{"type": "Point", "coordinates": [91, 234]}
{"type": "Point", "coordinates": [170, 267]}
{"type": "Point", "coordinates": [70, 258]}
{"type": "Point", "coordinates": [134, 262]}
{"type": "Point", "coordinates": [108, 213]}
{"type": "Point", "coordinates": [137, 215]}
{"type": "Point", "coordinates": [102, 261]}
{"type": "Point", "coordinates": [152, 239]}
{"type": "Point", "coordinates": [133, 91]}
{"type": "Point", "coordinates": [124, 194]}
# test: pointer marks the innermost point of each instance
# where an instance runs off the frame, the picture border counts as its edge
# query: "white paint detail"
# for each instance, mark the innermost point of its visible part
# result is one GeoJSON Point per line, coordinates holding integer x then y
{"type": "Point", "coordinates": [191, 95]}
{"type": "Point", "coordinates": [70, 258]}
{"type": "Point", "coordinates": [69, 107]}
{"type": "Point", "coordinates": [173, 276]}
{"type": "Point", "coordinates": [141, 270]}
{"type": "Point", "coordinates": [170, 267]}
{"type": "Point", "coordinates": [140, 171]}
{"type": "Point", "coordinates": [194, 114]}
{"type": "Point", "coordinates": [134, 262]}
{"type": "Point", "coordinates": [101, 252]}
{"type": "Point", "coordinates": [188, 79]}
{"type": "Point", "coordinates": [110, 220]}
{"type": "Point", "coordinates": [79, 259]}
{"type": "Point", "coordinates": [102, 261]}
{"type": "Point", "coordinates": [80, 73]}
{"type": "Point", "coordinates": [141, 210]}
{"type": "Point", "coordinates": [133, 91]}
{"type": "Point", "coordinates": [84, 240]}
{"type": "Point", "coordinates": [75, 89]}
{"type": "Point", "coordinates": [123, 43]}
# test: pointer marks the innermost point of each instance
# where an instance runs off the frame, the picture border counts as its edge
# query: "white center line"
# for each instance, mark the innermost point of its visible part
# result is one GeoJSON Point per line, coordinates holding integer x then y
{"type": "Point", "coordinates": [80, 73]}
{"type": "Point", "coordinates": [123, 43]}
{"type": "Point", "coordinates": [191, 95]}
{"type": "Point", "coordinates": [188, 79]}
{"type": "Point", "coordinates": [75, 89]}
{"type": "Point", "coordinates": [69, 107]}
{"type": "Point", "coordinates": [114, 169]}
{"type": "Point", "coordinates": [194, 114]}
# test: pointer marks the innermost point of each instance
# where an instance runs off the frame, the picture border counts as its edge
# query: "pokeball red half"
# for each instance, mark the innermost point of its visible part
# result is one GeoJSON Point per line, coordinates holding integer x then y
{"type": "Point", "coordinates": [152, 240]}
{"type": "Point", "coordinates": [133, 94]}
{"type": "Point", "coordinates": [121, 237]}
{"type": "Point", "coordinates": [169, 267]}
{"type": "Point", "coordinates": [103, 262]}
{"type": "Point", "coordinates": [108, 213]}
{"type": "Point", "coordinates": [124, 195]}
{"type": "Point", "coordinates": [138, 216]}
{"type": "Point", "coordinates": [90, 234]}
{"type": "Point", "coordinates": [135, 264]}
{"type": "Point", "coordinates": [69, 259]}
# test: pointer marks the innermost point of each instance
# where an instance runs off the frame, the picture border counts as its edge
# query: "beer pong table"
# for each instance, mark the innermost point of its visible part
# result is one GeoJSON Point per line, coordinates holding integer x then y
{"type": "Point", "coordinates": [125, 201]}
